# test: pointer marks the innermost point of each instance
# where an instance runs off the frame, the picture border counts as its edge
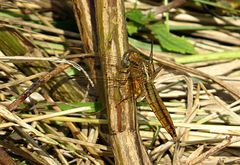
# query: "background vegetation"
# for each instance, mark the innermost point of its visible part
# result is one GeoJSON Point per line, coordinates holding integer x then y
{"type": "Point", "coordinates": [60, 121]}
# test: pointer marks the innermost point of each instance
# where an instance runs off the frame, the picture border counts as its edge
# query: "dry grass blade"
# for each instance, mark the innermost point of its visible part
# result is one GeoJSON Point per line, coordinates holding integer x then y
{"type": "Point", "coordinates": [52, 59]}
{"type": "Point", "coordinates": [219, 36]}
{"type": "Point", "coordinates": [76, 119]}
{"type": "Point", "coordinates": [37, 26]}
{"type": "Point", "coordinates": [228, 87]}
{"type": "Point", "coordinates": [200, 18]}
{"type": "Point", "coordinates": [160, 150]}
{"type": "Point", "coordinates": [223, 108]}
{"type": "Point", "coordinates": [217, 129]}
{"type": "Point", "coordinates": [192, 114]}
{"type": "Point", "coordinates": [84, 143]}
{"type": "Point", "coordinates": [23, 152]}
{"type": "Point", "coordinates": [15, 119]}
{"type": "Point", "coordinates": [50, 125]}
{"type": "Point", "coordinates": [43, 117]}
{"type": "Point", "coordinates": [12, 117]}
{"type": "Point", "coordinates": [184, 133]}
{"type": "Point", "coordinates": [223, 144]}
{"type": "Point", "coordinates": [195, 154]}
{"type": "Point", "coordinates": [19, 81]}
{"type": "Point", "coordinates": [36, 85]}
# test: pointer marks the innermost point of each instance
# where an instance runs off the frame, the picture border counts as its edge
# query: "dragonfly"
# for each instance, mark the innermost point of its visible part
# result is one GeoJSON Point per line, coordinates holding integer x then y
{"type": "Point", "coordinates": [141, 74]}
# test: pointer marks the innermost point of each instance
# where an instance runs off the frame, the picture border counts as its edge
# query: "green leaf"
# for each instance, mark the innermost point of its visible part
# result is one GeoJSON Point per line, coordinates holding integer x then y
{"type": "Point", "coordinates": [169, 41]}
{"type": "Point", "coordinates": [70, 71]}
{"type": "Point", "coordinates": [144, 45]}
{"type": "Point", "coordinates": [137, 16]}
{"type": "Point", "coordinates": [132, 28]}
{"type": "Point", "coordinates": [95, 106]}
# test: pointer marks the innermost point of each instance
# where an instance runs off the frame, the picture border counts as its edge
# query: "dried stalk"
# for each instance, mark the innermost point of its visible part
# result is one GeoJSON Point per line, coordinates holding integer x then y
{"type": "Point", "coordinates": [5, 158]}
{"type": "Point", "coordinates": [82, 12]}
{"type": "Point", "coordinates": [112, 43]}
